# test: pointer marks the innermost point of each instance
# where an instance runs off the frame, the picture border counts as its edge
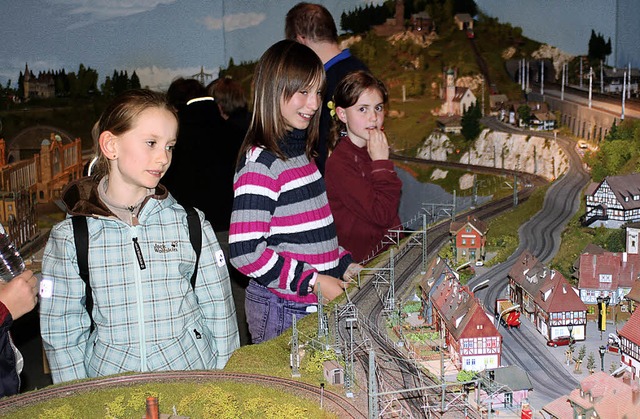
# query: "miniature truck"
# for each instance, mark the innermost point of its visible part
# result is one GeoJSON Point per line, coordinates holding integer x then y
{"type": "Point", "coordinates": [510, 318]}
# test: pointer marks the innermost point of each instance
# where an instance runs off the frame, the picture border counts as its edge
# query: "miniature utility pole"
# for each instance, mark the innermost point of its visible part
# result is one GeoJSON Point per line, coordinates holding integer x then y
{"type": "Point", "coordinates": [295, 353]}
{"type": "Point", "coordinates": [590, 85]}
{"type": "Point", "coordinates": [373, 387]}
{"type": "Point", "coordinates": [515, 190]}
{"type": "Point", "coordinates": [564, 80]}
{"type": "Point", "coordinates": [624, 86]}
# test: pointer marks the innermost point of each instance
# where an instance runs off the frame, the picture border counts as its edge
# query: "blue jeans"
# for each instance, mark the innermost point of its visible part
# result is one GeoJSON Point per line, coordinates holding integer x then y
{"type": "Point", "coordinates": [269, 315]}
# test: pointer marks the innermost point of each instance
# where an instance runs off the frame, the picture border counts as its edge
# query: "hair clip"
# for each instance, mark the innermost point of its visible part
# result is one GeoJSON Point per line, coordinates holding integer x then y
{"type": "Point", "coordinates": [332, 109]}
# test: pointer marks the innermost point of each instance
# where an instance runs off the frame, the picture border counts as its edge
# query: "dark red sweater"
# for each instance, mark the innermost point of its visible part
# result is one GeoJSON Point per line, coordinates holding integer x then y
{"type": "Point", "coordinates": [364, 196]}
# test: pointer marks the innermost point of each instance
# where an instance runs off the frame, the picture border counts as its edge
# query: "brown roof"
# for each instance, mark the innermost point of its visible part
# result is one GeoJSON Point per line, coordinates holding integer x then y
{"type": "Point", "coordinates": [634, 294]}
{"type": "Point", "coordinates": [556, 295]}
{"type": "Point", "coordinates": [528, 272]}
{"type": "Point", "coordinates": [461, 311]}
{"type": "Point", "coordinates": [625, 188]}
{"type": "Point", "coordinates": [478, 225]}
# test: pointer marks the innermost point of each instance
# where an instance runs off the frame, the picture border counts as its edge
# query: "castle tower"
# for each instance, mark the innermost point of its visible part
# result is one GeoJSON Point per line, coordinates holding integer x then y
{"type": "Point", "coordinates": [3, 158]}
{"type": "Point", "coordinates": [451, 90]}
{"type": "Point", "coordinates": [25, 80]}
{"type": "Point", "coordinates": [399, 13]}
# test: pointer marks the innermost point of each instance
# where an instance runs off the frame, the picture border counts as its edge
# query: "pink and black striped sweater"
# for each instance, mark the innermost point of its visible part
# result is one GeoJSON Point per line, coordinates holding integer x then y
{"type": "Point", "coordinates": [282, 232]}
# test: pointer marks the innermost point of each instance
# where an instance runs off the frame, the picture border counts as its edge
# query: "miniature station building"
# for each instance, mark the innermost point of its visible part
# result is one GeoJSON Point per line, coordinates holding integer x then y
{"type": "Point", "coordinates": [470, 337]}
{"type": "Point", "coordinates": [34, 168]}
{"type": "Point", "coordinates": [547, 299]}
{"type": "Point", "coordinates": [470, 237]}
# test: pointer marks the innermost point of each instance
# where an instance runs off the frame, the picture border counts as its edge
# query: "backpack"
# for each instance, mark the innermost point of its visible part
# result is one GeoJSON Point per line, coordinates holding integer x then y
{"type": "Point", "coordinates": [81, 239]}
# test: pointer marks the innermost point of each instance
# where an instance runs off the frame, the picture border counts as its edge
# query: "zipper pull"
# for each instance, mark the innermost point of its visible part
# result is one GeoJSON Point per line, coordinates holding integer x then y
{"type": "Point", "coordinates": [198, 335]}
{"type": "Point", "coordinates": [138, 251]}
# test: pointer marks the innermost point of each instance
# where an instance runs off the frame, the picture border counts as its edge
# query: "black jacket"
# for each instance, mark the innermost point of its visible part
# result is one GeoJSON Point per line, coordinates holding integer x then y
{"type": "Point", "coordinates": [9, 379]}
{"type": "Point", "coordinates": [203, 162]}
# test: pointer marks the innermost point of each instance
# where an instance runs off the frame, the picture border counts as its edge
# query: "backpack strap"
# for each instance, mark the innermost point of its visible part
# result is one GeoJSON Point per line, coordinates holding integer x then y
{"type": "Point", "coordinates": [195, 237]}
{"type": "Point", "coordinates": [81, 239]}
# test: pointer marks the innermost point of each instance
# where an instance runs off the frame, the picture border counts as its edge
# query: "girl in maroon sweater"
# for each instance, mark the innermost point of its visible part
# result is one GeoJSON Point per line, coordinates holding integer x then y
{"type": "Point", "coordinates": [362, 185]}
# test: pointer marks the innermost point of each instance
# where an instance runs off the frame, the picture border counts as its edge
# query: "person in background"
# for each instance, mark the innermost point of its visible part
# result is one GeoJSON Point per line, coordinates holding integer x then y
{"type": "Point", "coordinates": [200, 175]}
{"type": "Point", "coordinates": [282, 233]}
{"type": "Point", "coordinates": [147, 315]}
{"type": "Point", "coordinates": [17, 297]}
{"type": "Point", "coordinates": [363, 188]}
{"type": "Point", "coordinates": [312, 25]}
{"type": "Point", "coordinates": [232, 102]}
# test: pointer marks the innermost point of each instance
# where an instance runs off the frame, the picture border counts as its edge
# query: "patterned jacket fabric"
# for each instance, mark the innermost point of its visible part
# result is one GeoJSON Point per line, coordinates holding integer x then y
{"type": "Point", "coordinates": [147, 316]}
{"type": "Point", "coordinates": [282, 232]}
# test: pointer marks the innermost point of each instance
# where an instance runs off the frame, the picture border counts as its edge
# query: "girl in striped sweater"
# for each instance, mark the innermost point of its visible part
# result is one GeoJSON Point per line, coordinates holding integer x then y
{"type": "Point", "coordinates": [282, 233]}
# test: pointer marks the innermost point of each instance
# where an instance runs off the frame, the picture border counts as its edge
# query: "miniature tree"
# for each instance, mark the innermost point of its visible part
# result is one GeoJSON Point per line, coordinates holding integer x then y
{"type": "Point", "coordinates": [613, 367]}
{"type": "Point", "coordinates": [591, 362]}
{"type": "Point", "coordinates": [582, 352]}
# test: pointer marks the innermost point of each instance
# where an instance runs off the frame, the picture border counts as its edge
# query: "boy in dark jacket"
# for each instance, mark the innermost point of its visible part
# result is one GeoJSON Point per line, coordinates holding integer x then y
{"type": "Point", "coordinates": [17, 297]}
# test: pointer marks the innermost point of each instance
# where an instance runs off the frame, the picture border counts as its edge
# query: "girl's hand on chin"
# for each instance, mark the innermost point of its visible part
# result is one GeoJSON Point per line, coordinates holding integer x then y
{"type": "Point", "coordinates": [377, 146]}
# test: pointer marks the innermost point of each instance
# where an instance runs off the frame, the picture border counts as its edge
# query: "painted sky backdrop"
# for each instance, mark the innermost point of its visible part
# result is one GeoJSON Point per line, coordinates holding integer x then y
{"type": "Point", "coordinates": [159, 39]}
{"type": "Point", "coordinates": [163, 39]}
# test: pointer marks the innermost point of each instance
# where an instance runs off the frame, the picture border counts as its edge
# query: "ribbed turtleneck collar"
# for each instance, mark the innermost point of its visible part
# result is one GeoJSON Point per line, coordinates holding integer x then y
{"type": "Point", "coordinates": [294, 143]}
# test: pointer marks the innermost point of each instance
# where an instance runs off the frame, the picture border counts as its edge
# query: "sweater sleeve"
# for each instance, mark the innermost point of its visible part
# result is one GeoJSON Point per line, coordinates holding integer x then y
{"type": "Point", "coordinates": [215, 299]}
{"type": "Point", "coordinates": [256, 192]}
{"type": "Point", "coordinates": [64, 321]}
{"type": "Point", "coordinates": [369, 190]}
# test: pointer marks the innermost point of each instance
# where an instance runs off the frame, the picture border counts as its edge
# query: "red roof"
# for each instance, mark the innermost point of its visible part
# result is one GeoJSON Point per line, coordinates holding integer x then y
{"type": "Point", "coordinates": [558, 296]}
{"type": "Point", "coordinates": [631, 329]}
{"type": "Point", "coordinates": [622, 268]}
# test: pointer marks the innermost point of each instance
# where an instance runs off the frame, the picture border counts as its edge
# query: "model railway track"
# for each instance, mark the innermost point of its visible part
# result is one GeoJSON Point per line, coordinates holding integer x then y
{"type": "Point", "coordinates": [333, 402]}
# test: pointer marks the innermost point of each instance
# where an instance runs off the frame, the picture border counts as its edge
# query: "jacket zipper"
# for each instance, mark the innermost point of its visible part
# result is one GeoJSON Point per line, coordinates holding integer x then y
{"type": "Point", "coordinates": [140, 293]}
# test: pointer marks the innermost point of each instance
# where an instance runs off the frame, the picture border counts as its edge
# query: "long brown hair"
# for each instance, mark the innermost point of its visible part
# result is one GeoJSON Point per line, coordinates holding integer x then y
{"type": "Point", "coordinates": [120, 116]}
{"type": "Point", "coordinates": [285, 68]}
{"type": "Point", "coordinates": [346, 95]}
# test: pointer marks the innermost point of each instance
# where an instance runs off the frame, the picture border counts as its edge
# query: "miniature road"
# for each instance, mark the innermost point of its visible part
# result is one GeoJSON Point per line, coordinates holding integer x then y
{"type": "Point", "coordinates": [541, 235]}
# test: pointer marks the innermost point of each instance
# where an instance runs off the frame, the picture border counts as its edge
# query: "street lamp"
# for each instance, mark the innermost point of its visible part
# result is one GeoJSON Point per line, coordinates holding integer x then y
{"type": "Point", "coordinates": [570, 328]}
{"type": "Point", "coordinates": [602, 351]}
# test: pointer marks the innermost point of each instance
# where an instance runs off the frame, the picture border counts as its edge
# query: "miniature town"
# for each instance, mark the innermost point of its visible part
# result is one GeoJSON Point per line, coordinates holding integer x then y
{"type": "Point", "coordinates": [446, 322]}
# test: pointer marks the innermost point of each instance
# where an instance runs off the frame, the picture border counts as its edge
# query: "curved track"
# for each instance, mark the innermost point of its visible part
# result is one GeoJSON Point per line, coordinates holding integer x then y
{"type": "Point", "coordinates": [332, 401]}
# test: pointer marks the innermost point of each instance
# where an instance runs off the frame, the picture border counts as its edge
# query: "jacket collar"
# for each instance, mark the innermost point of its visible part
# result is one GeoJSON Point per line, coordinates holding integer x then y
{"type": "Point", "coordinates": [81, 197]}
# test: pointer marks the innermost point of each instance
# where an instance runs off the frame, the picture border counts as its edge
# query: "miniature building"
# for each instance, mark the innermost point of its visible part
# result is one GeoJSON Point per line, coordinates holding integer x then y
{"type": "Point", "coordinates": [463, 21]}
{"type": "Point", "coordinates": [333, 372]}
{"type": "Point", "coordinates": [422, 22]}
{"type": "Point", "coordinates": [39, 178]}
{"type": "Point", "coordinates": [630, 344]}
{"type": "Point", "coordinates": [450, 124]}
{"type": "Point", "coordinates": [613, 202]}
{"type": "Point", "coordinates": [613, 79]}
{"type": "Point", "coordinates": [469, 239]}
{"type": "Point", "coordinates": [437, 272]}
{"type": "Point", "coordinates": [394, 24]}
{"type": "Point", "coordinates": [42, 86]}
{"type": "Point", "coordinates": [457, 99]}
{"type": "Point", "coordinates": [473, 341]}
{"type": "Point", "coordinates": [599, 395]}
{"type": "Point", "coordinates": [546, 298]}
{"type": "Point", "coordinates": [608, 274]}
{"type": "Point", "coordinates": [505, 387]}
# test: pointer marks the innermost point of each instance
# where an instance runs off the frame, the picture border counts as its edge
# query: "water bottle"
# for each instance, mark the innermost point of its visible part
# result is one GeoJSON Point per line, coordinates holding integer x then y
{"type": "Point", "coordinates": [11, 263]}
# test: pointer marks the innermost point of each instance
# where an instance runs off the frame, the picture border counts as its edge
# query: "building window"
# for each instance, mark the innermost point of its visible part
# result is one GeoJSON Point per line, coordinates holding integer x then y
{"type": "Point", "coordinates": [464, 241]}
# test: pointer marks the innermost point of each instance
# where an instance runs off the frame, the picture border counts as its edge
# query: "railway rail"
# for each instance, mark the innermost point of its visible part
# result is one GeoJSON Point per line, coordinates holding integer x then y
{"type": "Point", "coordinates": [335, 403]}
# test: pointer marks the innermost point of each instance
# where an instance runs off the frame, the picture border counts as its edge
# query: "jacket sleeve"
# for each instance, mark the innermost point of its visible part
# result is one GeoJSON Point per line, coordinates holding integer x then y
{"type": "Point", "coordinates": [256, 192]}
{"type": "Point", "coordinates": [371, 190]}
{"type": "Point", "coordinates": [64, 322]}
{"type": "Point", "coordinates": [213, 289]}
